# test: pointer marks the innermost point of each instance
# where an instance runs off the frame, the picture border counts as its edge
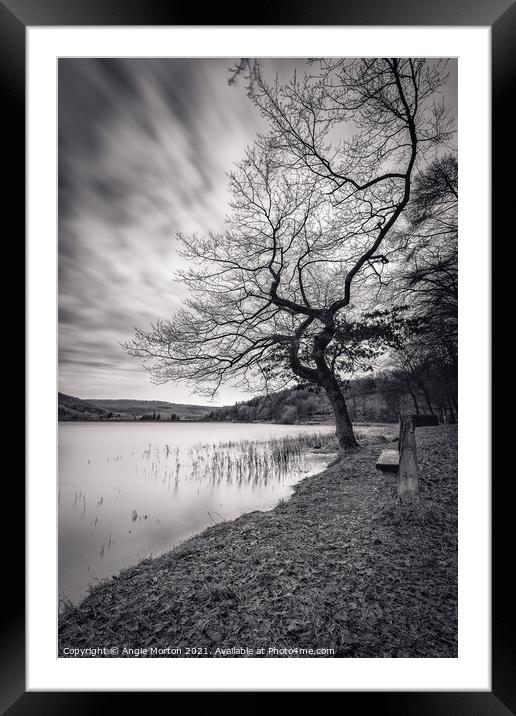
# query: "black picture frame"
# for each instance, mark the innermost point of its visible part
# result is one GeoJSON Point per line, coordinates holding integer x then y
{"type": "Point", "coordinates": [500, 15]}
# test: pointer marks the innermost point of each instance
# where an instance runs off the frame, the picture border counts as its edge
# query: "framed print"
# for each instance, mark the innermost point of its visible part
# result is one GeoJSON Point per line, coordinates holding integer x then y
{"type": "Point", "coordinates": [256, 307]}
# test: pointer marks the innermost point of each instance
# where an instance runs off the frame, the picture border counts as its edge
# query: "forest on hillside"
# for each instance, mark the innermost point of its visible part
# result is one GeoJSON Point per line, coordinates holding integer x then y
{"type": "Point", "coordinates": [379, 399]}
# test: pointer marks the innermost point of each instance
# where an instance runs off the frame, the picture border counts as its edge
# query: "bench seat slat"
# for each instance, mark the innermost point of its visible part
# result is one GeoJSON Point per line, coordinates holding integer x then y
{"type": "Point", "coordinates": [388, 461]}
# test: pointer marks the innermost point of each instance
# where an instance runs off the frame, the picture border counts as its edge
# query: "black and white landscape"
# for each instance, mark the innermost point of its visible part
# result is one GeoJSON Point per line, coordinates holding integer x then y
{"type": "Point", "coordinates": [258, 336]}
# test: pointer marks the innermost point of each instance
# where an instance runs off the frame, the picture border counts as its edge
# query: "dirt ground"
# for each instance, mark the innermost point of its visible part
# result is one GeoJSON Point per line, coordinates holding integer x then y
{"type": "Point", "coordinates": [338, 566]}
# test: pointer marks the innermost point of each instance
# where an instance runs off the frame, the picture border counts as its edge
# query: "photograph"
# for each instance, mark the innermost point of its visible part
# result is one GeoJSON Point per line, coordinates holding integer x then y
{"type": "Point", "coordinates": [258, 357]}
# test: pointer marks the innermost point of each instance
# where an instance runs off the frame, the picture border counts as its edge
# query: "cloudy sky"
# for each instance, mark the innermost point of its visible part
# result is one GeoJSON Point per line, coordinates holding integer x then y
{"type": "Point", "coordinates": [144, 145]}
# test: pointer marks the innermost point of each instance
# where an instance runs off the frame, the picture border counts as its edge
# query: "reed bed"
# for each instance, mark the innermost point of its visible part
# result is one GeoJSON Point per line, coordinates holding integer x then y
{"type": "Point", "coordinates": [236, 461]}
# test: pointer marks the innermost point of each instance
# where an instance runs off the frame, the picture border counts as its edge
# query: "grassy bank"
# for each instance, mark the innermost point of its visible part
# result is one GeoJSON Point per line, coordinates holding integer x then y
{"type": "Point", "coordinates": [338, 566]}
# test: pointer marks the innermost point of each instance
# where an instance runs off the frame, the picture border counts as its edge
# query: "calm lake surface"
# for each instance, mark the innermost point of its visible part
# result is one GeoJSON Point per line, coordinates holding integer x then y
{"type": "Point", "coordinates": [130, 490]}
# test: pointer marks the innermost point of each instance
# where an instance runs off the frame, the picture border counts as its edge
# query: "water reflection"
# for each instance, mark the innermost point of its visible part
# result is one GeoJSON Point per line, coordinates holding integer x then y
{"type": "Point", "coordinates": [127, 491]}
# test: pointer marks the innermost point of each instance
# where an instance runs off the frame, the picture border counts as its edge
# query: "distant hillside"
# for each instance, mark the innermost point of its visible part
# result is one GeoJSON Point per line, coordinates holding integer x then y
{"type": "Point", "coordinates": [375, 400]}
{"type": "Point", "coordinates": [293, 405]}
{"type": "Point", "coordinates": [161, 407]}
{"type": "Point", "coordinates": [72, 408]}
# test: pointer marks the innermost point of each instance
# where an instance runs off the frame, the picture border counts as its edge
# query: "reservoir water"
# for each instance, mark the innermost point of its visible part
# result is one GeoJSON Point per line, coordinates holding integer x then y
{"type": "Point", "coordinates": [131, 490]}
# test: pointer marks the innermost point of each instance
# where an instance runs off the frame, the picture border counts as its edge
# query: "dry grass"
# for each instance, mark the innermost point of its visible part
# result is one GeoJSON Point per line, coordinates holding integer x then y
{"type": "Point", "coordinates": [339, 565]}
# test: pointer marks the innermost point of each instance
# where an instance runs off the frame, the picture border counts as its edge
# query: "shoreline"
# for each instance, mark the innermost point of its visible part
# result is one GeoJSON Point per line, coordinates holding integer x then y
{"type": "Point", "coordinates": [216, 422]}
{"type": "Point", "coordinates": [338, 565]}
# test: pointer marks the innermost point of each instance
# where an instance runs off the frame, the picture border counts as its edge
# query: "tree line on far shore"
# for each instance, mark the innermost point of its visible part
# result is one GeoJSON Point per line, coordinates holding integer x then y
{"type": "Point", "coordinates": [379, 399]}
{"type": "Point", "coordinates": [170, 417]}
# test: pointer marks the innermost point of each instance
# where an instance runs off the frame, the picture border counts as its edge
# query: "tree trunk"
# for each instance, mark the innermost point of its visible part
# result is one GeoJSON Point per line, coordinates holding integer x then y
{"type": "Point", "coordinates": [324, 376]}
{"type": "Point", "coordinates": [414, 399]}
{"type": "Point", "coordinates": [343, 425]}
{"type": "Point", "coordinates": [452, 414]}
{"type": "Point", "coordinates": [427, 398]}
{"type": "Point", "coordinates": [451, 389]}
{"type": "Point", "coordinates": [442, 414]}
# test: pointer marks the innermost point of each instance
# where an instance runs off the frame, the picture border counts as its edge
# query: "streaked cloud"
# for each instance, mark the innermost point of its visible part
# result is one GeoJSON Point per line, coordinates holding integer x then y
{"type": "Point", "coordinates": [144, 145]}
{"type": "Point", "coordinates": [143, 150]}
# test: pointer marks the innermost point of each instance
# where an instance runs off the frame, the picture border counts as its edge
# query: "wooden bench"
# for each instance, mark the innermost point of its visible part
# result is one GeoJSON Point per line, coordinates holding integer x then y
{"type": "Point", "coordinates": [388, 461]}
{"type": "Point", "coordinates": [404, 460]}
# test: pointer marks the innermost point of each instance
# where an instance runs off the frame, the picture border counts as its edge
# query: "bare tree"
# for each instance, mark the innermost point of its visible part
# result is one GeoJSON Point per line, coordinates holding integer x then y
{"type": "Point", "coordinates": [312, 206]}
